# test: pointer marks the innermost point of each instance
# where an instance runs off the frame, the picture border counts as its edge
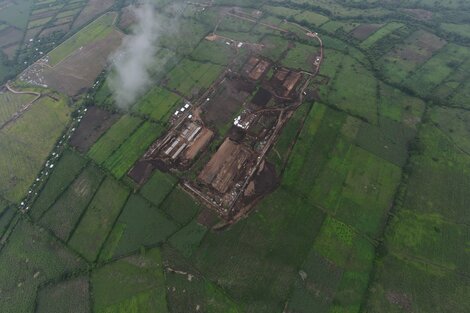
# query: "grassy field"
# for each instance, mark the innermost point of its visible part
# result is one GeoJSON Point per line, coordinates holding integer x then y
{"type": "Point", "coordinates": [300, 57]}
{"type": "Point", "coordinates": [354, 89]}
{"type": "Point", "coordinates": [11, 103]}
{"type": "Point", "coordinates": [100, 28]}
{"type": "Point", "coordinates": [157, 103]}
{"type": "Point", "coordinates": [379, 34]}
{"type": "Point", "coordinates": [275, 239]}
{"type": "Point", "coordinates": [66, 296]}
{"type": "Point", "coordinates": [132, 149]}
{"type": "Point", "coordinates": [215, 52]}
{"type": "Point", "coordinates": [31, 257]}
{"type": "Point", "coordinates": [311, 18]}
{"type": "Point", "coordinates": [189, 77]}
{"type": "Point", "coordinates": [62, 217]}
{"type": "Point", "coordinates": [459, 29]}
{"type": "Point", "coordinates": [140, 224]}
{"type": "Point", "coordinates": [439, 67]}
{"type": "Point", "coordinates": [405, 57]}
{"type": "Point", "coordinates": [188, 238]}
{"type": "Point", "coordinates": [65, 171]}
{"type": "Point", "coordinates": [113, 138]}
{"type": "Point", "coordinates": [98, 219]}
{"type": "Point", "coordinates": [158, 187]}
{"type": "Point", "coordinates": [27, 142]}
{"type": "Point", "coordinates": [180, 206]}
{"type": "Point", "coordinates": [132, 284]}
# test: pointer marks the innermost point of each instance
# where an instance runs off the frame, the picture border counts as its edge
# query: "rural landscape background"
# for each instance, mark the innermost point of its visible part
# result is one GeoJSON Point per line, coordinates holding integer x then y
{"type": "Point", "coordinates": [288, 156]}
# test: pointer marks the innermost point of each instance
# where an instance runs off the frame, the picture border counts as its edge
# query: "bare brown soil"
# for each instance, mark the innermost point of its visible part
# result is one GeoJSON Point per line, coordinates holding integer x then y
{"type": "Point", "coordinates": [364, 30]}
{"type": "Point", "coordinates": [141, 171]}
{"type": "Point", "coordinates": [255, 68]}
{"type": "Point", "coordinates": [221, 107]}
{"type": "Point", "coordinates": [419, 14]}
{"type": "Point", "coordinates": [10, 50]}
{"type": "Point", "coordinates": [400, 299]}
{"type": "Point", "coordinates": [261, 98]}
{"type": "Point", "coordinates": [79, 71]}
{"type": "Point", "coordinates": [264, 182]}
{"type": "Point", "coordinates": [91, 10]}
{"type": "Point", "coordinates": [127, 18]}
{"type": "Point", "coordinates": [201, 141]}
{"type": "Point", "coordinates": [224, 166]}
{"type": "Point", "coordinates": [419, 47]}
{"type": "Point", "coordinates": [93, 125]}
{"type": "Point", "coordinates": [208, 218]}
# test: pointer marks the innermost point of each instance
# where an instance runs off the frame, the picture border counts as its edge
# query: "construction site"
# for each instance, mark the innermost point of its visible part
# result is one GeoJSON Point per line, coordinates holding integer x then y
{"type": "Point", "coordinates": [256, 102]}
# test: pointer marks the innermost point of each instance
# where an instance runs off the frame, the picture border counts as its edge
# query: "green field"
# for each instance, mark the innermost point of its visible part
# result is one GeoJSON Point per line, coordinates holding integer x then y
{"type": "Point", "coordinates": [67, 296]}
{"type": "Point", "coordinates": [189, 77]}
{"type": "Point", "coordinates": [11, 103]}
{"type": "Point", "coordinates": [98, 219]}
{"type": "Point", "coordinates": [180, 206]}
{"type": "Point", "coordinates": [132, 149]}
{"type": "Point", "coordinates": [62, 217]}
{"type": "Point", "coordinates": [380, 33]}
{"type": "Point", "coordinates": [132, 284]}
{"type": "Point", "coordinates": [31, 257]}
{"type": "Point", "coordinates": [158, 187]}
{"type": "Point", "coordinates": [157, 103]}
{"type": "Point", "coordinates": [300, 57]}
{"type": "Point", "coordinates": [140, 224]}
{"type": "Point", "coordinates": [113, 138]}
{"type": "Point", "coordinates": [26, 143]}
{"type": "Point", "coordinates": [439, 67]}
{"type": "Point", "coordinates": [354, 89]}
{"type": "Point", "coordinates": [100, 28]}
{"type": "Point", "coordinates": [65, 171]}
{"type": "Point", "coordinates": [311, 18]}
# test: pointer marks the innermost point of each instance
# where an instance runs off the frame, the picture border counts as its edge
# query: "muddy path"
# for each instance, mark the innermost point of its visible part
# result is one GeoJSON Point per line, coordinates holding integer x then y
{"type": "Point", "coordinates": [24, 108]}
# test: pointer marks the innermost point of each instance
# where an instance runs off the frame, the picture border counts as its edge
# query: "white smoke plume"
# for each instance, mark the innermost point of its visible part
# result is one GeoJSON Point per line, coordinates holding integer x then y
{"type": "Point", "coordinates": [131, 62]}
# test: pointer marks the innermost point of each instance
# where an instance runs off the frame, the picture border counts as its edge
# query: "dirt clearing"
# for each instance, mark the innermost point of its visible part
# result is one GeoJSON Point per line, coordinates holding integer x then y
{"type": "Point", "coordinates": [94, 124]}
{"type": "Point", "coordinates": [79, 71]}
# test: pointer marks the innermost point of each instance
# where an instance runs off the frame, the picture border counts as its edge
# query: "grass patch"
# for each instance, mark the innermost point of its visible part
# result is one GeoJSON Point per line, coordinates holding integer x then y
{"type": "Point", "coordinates": [31, 258]}
{"type": "Point", "coordinates": [379, 34]}
{"type": "Point", "coordinates": [158, 187]}
{"type": "Point", "coordinates": [157, 103]}
{"type": "Point", "coordinates": [65, 171]}
{"type": "Point", "coordinates": [132, 284]}
{"type": "Point", "coordinates": [11, 103]}
{"type": "Point", "coordinates": [65, 296]}
{"type": "Point", "coordinates": [27, 142]}
{"type": "Point", "coordinates": [64, 214]}
{"type": "Point", "coordinates": [132, 149]}
{"type": "Point", "coordinates": [113, 138]}
{"type": "Point", "coordinates": [180, 206]}
{"type": "Point", "coordinates": [98, 29]}
{"type": "Point", "coordinates": [98, 219]}
{"type": "Point", "coordinates": [140, 224]}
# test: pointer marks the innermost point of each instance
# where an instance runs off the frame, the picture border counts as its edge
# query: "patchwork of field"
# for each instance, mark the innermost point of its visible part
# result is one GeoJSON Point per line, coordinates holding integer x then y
{"type": "Point", "coordinates": [369, 209]}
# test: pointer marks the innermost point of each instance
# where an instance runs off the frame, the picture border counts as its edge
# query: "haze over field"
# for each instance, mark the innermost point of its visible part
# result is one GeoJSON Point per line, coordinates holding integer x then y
{"type": "Point", "coordinates": [132, 60]}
